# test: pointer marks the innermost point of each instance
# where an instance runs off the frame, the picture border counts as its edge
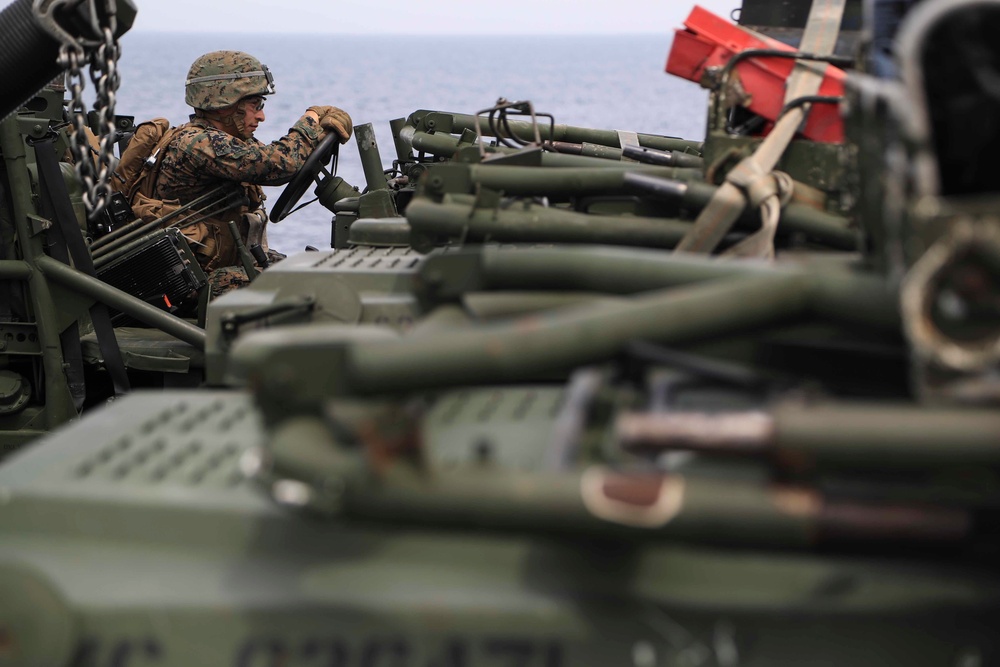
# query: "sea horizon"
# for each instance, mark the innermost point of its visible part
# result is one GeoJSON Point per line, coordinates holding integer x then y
{"type": "Point", "coordinates": [599, 81]}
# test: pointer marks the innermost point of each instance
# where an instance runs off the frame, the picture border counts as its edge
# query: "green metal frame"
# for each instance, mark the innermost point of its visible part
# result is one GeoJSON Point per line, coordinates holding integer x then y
{"type": "Point", "coordinates": [55, 295]}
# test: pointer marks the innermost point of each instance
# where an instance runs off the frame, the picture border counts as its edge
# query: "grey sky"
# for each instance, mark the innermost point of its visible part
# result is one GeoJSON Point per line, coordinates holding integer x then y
{"type": "Point", "coordinates": [419, 16]}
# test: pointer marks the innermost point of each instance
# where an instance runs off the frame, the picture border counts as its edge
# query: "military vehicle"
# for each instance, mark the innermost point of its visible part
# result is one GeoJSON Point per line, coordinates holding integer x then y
{"type": "Point", "coordinates": [554, 396]}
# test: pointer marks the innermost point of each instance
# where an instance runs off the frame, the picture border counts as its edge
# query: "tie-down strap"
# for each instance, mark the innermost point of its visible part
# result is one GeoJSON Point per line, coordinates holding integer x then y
{"type": "Point", "coordinates": [747, 181]}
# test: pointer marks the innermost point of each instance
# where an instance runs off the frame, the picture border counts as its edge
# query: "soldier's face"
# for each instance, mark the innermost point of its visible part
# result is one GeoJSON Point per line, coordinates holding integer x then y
{"type": "Point", "coordinates": [252, 109]}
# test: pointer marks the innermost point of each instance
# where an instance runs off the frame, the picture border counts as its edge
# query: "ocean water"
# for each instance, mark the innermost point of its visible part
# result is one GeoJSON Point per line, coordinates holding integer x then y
{"type": "Point", "coordinates": [606, 82]}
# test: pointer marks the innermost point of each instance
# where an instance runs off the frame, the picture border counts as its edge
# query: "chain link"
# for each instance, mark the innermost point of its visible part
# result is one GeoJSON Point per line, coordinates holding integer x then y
{"type": "Point", "coordinates": [103, 60]}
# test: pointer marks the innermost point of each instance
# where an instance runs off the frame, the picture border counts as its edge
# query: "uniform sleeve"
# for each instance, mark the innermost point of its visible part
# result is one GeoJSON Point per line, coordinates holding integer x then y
{"type": "Point", "coordinates": [229, 158]}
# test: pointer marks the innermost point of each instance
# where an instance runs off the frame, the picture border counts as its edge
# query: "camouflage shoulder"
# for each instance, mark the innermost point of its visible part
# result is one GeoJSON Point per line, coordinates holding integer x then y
{"type": "Point", "coordinates": [189, 137]}
{"type": "Point", "coordinates": [193, 139]}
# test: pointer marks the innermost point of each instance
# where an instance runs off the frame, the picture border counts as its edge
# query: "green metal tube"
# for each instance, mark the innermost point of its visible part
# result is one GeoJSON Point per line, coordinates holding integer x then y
{"type": "Point", "coordinates": [662, 158]}
{"type": "Point", "coordinates": [442, 319]}
{"type": "Point", "coordinates": [588, 501]}
{"type": "Point", "coordinates": [116, 234]}
{"type": "Point", "coordinates": [900, 436]}
{"type": "Point", "coordinates": [799, 437]}
{"type": "Point", "coordinates": [839, 291]}
{"type": "Point", "coordinates": [371, 161]}
{"type": "Point", "coordinates": [493, 305]}
{"type": "Point", "coordinates": [137, 227]}
{"type": "Point", "coordinates": [440, 144]}
{"type": "Point", "coordinates": [14, 269]}
{"type": "Point", "coordinates": [127, 242]}
{"type": "Point", "coordinates": [833, 230]}
{"type": "Point", "coordinates": [697, 510]}
{"type": "Point", "coordinates": [694, 194]}
{"type": "Point", "coordinates": [445, 145]}
{"type": "Point", "coordinates": [140, 310]}
{"type": "Point", "coordinates": [574, 134]}
{"type": "Point", "coordinates": [602, 502]}
{"type": "Point", "coordinates": [568, 181]}
{"type": "Point", "coordinates": [858, 297]}
{"type": "Point", "coordinates": [246, 259]}
{"type": "Point", "coordinates": [688, 509]}
{"type": "Point", "coordinates": [532, 223]}
{"type": "Point", "coordinates": [123, 243]}
{"type": "Point", "coordinates": [607, 269]}
{"type": "Point", "coordinates": [639, 155]}
{"type": "Point", "coordinates": [403, 152]}
{"type": "Point", "coordinates": [565, 161]}
{"type": "Point", "coordinates": [589, 150]}
{"type": "Point", "coordinates": [517, 350]}
{"type": "Point", "coordinates": [570, 337]}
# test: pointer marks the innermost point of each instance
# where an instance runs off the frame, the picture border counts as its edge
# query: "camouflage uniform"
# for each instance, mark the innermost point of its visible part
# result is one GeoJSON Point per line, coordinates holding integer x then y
{"type": "Point", "coordinates": [227, 278]}
{"type": "Point", "coordinates": [201, 158]}
{"type": "Point", "coordinates": [216, 153]}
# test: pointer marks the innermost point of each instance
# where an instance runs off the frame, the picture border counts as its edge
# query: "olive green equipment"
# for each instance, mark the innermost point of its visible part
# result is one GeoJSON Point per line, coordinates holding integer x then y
{"type": "Point", "coordinates": [487, 426]}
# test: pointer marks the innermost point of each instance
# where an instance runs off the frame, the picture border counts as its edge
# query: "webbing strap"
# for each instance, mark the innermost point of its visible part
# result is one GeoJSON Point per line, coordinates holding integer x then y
{"type": "Point", "coordinates": [69, 338]}
{"type": "Point", "coordinates": [6, 252]}
{"type": "Point", "coordinates": [145, 181]}
{"type": "Point", "coordinates": [716, 219]}
{"type": "Point", "coordinates": [54, 190]}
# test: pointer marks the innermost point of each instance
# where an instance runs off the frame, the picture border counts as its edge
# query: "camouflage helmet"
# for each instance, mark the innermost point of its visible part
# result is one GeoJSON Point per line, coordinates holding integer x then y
{"type": "Point", "coordinates": [221, 78]}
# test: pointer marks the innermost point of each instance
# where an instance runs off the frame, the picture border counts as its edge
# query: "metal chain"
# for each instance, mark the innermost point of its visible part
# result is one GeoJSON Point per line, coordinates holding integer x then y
{"type": "Point", "coordinates": [96, 177]}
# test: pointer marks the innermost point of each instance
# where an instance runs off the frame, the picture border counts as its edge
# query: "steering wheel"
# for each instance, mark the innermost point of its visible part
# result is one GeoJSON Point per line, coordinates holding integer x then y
{"type": "Point", "coordinates": [328, 149]}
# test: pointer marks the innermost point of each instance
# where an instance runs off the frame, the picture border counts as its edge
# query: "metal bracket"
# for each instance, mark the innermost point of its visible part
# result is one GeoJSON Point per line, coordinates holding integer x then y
{"type": "Point", "coordinates": [499, 124]}
{"type": "Point", "coordinates": [45, 11]}
{"type": "Point", "coordinates": [231, 322]}
{"type": "Point", "coordinates": [19, 338]}
{"type": "Point", "coordinates": [38, 224]}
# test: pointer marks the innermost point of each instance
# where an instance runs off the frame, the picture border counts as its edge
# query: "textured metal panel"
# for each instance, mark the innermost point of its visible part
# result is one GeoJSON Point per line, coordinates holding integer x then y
{"type": "Point", "coordinates": [184, 444]}
{"type": "Point", "coordinates": [185, 440]}
{"type": "Point", "coordinates": [371, 259]}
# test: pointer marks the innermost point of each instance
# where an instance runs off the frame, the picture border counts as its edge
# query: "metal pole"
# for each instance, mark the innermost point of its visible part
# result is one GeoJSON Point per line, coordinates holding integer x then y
{"type": "Point", "coordinates": [371, 160]}
{"type": "Point", "coordinates": [841, 292]}
{"type": "Point", "coordinates": [403, 152]}
{"type": "Point", "coordinates": [521, 349]}
{"type": "Point", "coordinates": [14, 269]}
{"type": "Point", "coordinates": [881, 437]}
{"type": "Point", "coordinates": [550, 342]}
{"type": "Point", "coordinates": [608, 269]}
{"type": "Point", "coordinates": [567, 181]}
{"type": "Point", "coordinates": [529, 223]}
{"type": "Point", "coordinates": [693, 194]}
{"type": "Point", "coordinates": [577, 135]}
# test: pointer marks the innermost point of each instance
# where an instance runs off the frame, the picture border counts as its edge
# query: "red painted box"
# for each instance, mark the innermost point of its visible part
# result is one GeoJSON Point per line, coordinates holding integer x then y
{"type": "Point", "coordinates": [709, 41]}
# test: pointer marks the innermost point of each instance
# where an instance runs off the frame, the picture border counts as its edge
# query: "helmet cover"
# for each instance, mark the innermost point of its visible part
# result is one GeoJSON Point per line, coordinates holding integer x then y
{"type": "Point", "coordinates": [221, 78]}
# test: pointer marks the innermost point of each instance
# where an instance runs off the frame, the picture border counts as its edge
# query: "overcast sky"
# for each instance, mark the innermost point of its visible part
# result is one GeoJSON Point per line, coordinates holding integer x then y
{"type": "Point", "coordinates": [419, 16]}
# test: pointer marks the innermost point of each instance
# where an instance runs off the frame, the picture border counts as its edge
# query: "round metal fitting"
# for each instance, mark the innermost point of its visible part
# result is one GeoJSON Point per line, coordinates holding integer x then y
{"type": "Point", "coordinates": [951, 314]}
{"type": "Point", "coordinates": [14, 392]}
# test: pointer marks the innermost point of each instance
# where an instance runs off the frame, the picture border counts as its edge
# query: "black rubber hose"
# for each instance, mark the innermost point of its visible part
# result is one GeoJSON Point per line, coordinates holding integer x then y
{"type": "Point", "coordinates": [28, 56]}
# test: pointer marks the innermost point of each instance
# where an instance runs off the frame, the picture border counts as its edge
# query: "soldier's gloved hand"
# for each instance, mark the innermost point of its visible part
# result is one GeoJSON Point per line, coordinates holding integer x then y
{"type": "Point", "coordinates": [335, 120]}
